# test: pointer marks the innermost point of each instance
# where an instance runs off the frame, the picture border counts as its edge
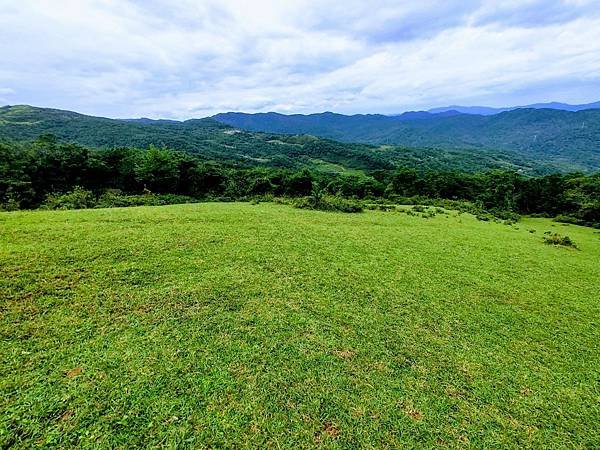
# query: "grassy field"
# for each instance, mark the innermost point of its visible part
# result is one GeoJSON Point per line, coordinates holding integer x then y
{"type": "Point", "coordinates": [265, 326]}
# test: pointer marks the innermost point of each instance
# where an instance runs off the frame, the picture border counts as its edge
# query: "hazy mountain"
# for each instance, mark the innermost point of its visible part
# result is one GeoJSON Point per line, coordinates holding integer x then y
{"type": "Point", "coordinates": [424, 115]}
{"type": "Point", "coordinates": [487, 111]}
{"type": "Point", "coordinates": [146, 121]}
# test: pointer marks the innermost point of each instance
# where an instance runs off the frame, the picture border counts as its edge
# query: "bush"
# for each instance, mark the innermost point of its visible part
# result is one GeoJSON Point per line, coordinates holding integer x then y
{"type": "Point", "coordinates": [509, 216]}
{"type": "Point", "coordinates": [557, 239]}
{"type": "Point", "coordinates": [11, 204]}
{"type": "Point", "coordinates": [380, 207]}
{"type": "Point", "coordinates": [115, 199]}
{"type": "Point", "coordinates": [328, 203]}
{"type": "Point", "coordinates": [78, 198]}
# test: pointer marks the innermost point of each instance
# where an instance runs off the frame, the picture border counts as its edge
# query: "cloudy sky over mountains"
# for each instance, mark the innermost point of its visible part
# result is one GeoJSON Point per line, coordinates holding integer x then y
{"type": "Point", "coordinates": [189, 58]}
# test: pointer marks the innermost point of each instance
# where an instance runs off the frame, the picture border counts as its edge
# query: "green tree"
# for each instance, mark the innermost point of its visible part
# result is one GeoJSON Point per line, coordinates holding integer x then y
{"type": "Point", "coordinates": [157, 170]}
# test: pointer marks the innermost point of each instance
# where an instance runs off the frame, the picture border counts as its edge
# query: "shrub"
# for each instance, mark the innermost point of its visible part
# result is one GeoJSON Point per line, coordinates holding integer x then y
{"type": "Point", "coordinates": [379, 207]}
{"type": "Point", "coordinates": [78, 198]}
{"type": "Point", "coordinates": [509, 216]}
{"type": "Point", "coordinates": [11, 204]}
{"type": "Point", "coordinates": [557, 239]}
{"type": "Point", "coordinates": [328, 203]}
{"type": "Point", "coordinates": [115, 199]}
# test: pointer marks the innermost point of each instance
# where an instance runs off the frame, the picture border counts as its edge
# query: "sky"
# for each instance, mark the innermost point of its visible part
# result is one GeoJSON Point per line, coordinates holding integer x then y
{"type": "Point", "coordinates": [194, 58]}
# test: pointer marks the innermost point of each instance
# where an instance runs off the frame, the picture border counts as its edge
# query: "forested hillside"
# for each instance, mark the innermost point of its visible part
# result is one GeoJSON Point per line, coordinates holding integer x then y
{"type": "Point", "coordinates": [568, 140]}
{"type": "Point", "coordinates": [213, 140]}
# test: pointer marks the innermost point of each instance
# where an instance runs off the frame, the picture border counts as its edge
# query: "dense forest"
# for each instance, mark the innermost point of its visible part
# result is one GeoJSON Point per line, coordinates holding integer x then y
{"type": "Point", "coordinates": [35, 173]}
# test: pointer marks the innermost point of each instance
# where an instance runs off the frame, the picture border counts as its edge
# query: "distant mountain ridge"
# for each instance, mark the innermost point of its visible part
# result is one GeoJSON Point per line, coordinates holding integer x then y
{"type": "Point", "coordinates": [488, 111]}
{"type": "Point", "coordinates": [424, 115]}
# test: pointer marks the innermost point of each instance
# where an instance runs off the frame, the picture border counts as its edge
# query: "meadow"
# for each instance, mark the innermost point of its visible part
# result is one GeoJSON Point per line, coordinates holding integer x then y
{"type": "Point", "coordinates": [240, 325]}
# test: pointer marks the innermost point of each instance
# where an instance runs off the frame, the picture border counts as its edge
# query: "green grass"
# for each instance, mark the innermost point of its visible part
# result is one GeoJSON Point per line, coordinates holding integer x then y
{"type": "Point", "coordinates": [266, 326]}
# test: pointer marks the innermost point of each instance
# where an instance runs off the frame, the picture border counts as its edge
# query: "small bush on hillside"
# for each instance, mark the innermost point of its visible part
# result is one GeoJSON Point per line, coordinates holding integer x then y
{"type": "Point", "coordinates": [11, 204]}
{"type": "Point", "coordinates": [78, 198]}
{"type": "Point", "coordinates": [557, 239]}
{"type": "Point", "coordinates": [115, 199]}
{"type": "Point", "coordinates": [428, 214]}
{"type": "Point", "coordinates": [328, 203]}
{"type": "Point", "coordinates": [385, 207]}
{"type": "Point", "coordinates": [508, 216]}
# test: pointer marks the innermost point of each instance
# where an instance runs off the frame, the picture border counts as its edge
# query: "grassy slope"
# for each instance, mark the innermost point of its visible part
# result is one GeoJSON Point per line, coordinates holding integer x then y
{"type": "Point", "coordinates": [216, 324]}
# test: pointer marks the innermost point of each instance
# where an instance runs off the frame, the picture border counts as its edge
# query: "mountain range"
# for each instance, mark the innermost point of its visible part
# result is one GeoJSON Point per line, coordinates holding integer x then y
{"type": "Point", "coordinates": [568, 140]}
{"type": "Point", "coordinates": [530, 141]}
{"type": "Point", "coordinates": [488, 111]}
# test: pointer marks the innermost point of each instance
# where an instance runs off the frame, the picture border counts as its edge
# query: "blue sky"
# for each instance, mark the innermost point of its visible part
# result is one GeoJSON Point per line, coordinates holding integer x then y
{"type": "Point", "coordinates": [186, 58]}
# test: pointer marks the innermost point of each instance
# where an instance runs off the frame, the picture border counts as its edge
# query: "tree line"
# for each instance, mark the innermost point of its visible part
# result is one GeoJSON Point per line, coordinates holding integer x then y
{"type": "Point", "coordinates": [30, 172]}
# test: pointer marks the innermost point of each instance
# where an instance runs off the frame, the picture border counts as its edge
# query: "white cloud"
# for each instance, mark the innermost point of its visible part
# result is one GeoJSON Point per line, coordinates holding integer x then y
{"type": "Point", "coordinates": [192, 58]}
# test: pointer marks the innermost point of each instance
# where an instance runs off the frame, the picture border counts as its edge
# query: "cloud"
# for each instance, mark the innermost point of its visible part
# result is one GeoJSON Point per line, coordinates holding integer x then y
{"type": "Point", "coordinates": [534, 13]}
{"type": "Point", "coordinates": [192, 58]}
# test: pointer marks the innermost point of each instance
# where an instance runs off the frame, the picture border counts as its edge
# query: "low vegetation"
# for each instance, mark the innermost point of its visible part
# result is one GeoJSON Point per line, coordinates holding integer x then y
{"type": "Point", "coordinates": [319, 200]}
{"type": "Point", "coordinates": [263, 326]}
{"type": "Point", "coordinates": [557, 239]}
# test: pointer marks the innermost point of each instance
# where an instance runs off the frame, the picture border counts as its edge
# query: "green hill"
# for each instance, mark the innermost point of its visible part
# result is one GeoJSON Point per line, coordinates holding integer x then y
{"type": "Point", "coordinates": [216, 141]}
{"type": "Point", "coordinates": [569, 140]}
{"type": "Point", "coordinates": [233, 325]}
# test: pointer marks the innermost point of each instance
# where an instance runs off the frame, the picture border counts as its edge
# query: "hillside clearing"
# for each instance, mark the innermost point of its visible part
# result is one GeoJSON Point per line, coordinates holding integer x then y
{"type": "Point", "coordinates": [230, 324]}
